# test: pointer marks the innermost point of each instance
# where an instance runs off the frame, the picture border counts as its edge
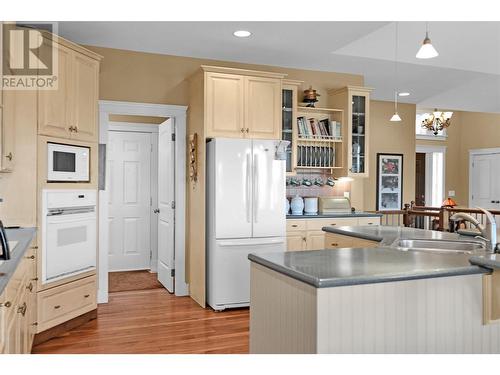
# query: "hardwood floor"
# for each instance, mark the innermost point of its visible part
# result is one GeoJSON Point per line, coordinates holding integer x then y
{"type": "Point", "coordinates": [132, 280]}
{"type": "Point", "coordinates": [154, 321]}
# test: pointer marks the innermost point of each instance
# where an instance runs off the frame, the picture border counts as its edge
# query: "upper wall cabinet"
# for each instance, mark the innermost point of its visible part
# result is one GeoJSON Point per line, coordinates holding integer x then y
{"type": "Point", "coordinates": [355, 101]}
{"type": "Point", "coordinates": [242, 103]}
{"type": "Point", "coordinates": [70, 111]}
{"type": "Point", "coordinates": [224, 104]}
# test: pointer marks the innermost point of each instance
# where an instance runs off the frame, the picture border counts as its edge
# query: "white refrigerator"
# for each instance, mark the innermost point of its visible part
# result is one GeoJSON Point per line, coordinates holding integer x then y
{"type": "Point", "coordinates": [245, 214]}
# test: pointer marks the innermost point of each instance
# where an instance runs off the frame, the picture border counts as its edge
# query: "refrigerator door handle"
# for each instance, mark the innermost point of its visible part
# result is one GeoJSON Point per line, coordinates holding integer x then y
{"type": "Point", "coordinates": [255, 188]}
{"type": "Point", "coordinates": [248, 187]}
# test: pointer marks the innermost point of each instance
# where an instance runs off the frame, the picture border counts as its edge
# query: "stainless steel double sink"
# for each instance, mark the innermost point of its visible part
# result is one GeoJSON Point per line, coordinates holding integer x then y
{"type": "Point", "coordinates": [439, 246]}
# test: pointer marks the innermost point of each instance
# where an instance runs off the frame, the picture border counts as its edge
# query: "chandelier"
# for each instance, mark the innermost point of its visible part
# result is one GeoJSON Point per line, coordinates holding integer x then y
{"type": "Point", "coordinates": [436, 121]}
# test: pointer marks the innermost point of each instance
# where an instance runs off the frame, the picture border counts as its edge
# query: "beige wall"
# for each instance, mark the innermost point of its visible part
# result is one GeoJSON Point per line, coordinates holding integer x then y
{"type": "Point", "coordinates": [153, 78]}
{"type": "Point", "coordinates": [468, 131]}
{"type": "Point", "coordinates": [391, 137]}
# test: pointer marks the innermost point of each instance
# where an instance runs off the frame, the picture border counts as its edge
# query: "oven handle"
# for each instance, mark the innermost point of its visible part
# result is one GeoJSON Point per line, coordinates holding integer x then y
{"type": "Point", "coordinates": [70, 211]}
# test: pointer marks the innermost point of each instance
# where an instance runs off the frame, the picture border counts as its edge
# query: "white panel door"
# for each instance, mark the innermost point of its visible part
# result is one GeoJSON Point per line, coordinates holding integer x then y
{"type": "Point", "coordinates": [166, 183]}
{"type": "Point", "coordinates": [233, 184]}
{"type": "Point", "coordinates": [485, 184]}
{"type": "Point", "coordinates": [128, 164]}
{"type": "Point", "coordinates": [268, 191]}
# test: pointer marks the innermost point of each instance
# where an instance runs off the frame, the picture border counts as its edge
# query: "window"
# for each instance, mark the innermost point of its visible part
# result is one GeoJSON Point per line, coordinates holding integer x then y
{"type": "Point", "coordinates": [422, 133]}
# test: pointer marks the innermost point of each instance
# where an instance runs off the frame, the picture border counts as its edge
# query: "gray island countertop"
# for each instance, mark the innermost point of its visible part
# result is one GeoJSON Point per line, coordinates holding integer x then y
{"type": "Point", "coordinates": [23, 237]}
{"type": "Point", "coordinates": [353, 266]}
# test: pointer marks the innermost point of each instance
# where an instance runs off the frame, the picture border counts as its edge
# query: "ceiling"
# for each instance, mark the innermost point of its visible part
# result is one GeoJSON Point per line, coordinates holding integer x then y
{"type": "Point", "coordinates": [465, 75]}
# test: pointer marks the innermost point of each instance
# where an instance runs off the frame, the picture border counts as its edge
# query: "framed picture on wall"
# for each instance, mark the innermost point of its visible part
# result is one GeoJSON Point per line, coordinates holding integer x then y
{"type": "Point", "coordinates": [389, 182]}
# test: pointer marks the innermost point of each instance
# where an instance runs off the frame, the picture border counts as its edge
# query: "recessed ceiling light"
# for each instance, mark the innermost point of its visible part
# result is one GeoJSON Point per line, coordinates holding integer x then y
{"type": "Point", "coordinates": [242, 33]}
{"type": "Point", "coordinates": [404, 94]}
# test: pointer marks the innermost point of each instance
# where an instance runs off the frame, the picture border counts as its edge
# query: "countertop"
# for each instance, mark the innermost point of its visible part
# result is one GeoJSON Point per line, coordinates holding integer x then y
{"type": "Point", "coordinates": [353, 266]}
{"type": "Point", "coordinates": [23, 236]}
{"type": "Point", "coordinates": [335, 215]}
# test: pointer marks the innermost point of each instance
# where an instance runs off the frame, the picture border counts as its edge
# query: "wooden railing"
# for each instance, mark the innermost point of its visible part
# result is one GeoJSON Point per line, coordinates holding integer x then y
{"type": "Point", "coordinates": [433, 218]}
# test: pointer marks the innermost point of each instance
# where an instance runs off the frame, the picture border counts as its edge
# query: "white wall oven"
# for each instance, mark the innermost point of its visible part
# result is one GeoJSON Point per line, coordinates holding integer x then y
{"type": "Point", "coordinates": [69, 233]}
{"type": "Point", "coordinates": [67, 163]}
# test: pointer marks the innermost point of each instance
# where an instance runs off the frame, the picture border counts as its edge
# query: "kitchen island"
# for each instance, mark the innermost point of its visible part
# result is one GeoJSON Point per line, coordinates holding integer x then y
{"type": "Point", "coordinates": [374, 300]}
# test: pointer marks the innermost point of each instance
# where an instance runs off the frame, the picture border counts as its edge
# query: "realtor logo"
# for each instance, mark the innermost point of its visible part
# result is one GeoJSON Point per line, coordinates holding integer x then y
{"type": "Point", "coordinates": [28, 56]}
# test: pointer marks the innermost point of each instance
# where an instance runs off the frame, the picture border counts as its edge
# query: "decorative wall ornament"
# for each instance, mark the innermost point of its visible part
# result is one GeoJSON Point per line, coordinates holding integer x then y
{"type": "Point", "coordinates": [193, 157]}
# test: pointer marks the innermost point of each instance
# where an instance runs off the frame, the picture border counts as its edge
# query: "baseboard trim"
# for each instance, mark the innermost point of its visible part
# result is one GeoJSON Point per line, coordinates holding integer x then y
{"type": "Point", "coordinates": [64, 327]}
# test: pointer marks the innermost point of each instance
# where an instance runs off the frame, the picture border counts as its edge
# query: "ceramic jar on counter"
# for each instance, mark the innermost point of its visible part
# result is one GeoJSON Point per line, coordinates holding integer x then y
{"type": "Point", "coordinates": [311, 205]}
{"type": "Point", "coordinates": [297, 205]}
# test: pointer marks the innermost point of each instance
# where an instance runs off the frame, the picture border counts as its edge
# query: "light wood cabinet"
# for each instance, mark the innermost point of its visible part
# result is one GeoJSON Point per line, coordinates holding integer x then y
{"type": "Point", "coordinates": [85, 90]}
{"type": "Point", "coordinates": [70, 111]}
{"type": "Point", "coordinates": [307, 234]}
{"type": "Point", "coordinates": [8, 105]}
{"type": "Point", "coordinates": [296, 241]}
{"type": "Point", "coordinates": [355, 102]}
{"type": "Point", "coordinates": [224, 104]}
{"type": "Point", "coordinates": [62, 303]}
{"type": "Point", "coordinates": [17, 307]}
{"type": "Point", "coordinates": [242, 103]}
{"type": "Point", "coordinates": [263, 107]}
{"type": "Point", "coordinates": [315, 240]}
{"type": "Point", "coordinates": [55, 106]}
{"type": "Point", "coordinates": [338, 241]}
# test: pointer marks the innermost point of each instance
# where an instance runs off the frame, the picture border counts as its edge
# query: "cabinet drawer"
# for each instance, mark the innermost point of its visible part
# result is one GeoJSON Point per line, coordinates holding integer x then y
{"type": "Point", "coordinates": [369, 220]}
{"type": "Point", "coordinates": [295, 225]}
{"type": "Point", "coordinates": [317, 224]}
{"type": "Point", "coordinates": [66, 302]}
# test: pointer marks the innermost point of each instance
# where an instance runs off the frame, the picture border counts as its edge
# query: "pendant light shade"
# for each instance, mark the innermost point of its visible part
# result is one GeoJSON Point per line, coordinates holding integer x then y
{"type": "Point", "coordinates": [395, 117]}
{"type": "Point", "coordinates": [427, 50]}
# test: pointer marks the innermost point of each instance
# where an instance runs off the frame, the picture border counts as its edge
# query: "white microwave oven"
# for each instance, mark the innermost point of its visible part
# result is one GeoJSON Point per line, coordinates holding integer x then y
{"type": "Point", "coordinates": [67, 163]}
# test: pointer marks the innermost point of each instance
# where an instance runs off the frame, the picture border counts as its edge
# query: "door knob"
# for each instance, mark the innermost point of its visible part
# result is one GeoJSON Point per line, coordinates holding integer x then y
{"type": "Point", "coordinates": [9, 156]}
{"type": "Point", "coordinates": [156, 210]}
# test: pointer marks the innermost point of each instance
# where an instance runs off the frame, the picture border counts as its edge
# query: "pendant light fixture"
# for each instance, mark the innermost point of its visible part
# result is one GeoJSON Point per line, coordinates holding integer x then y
{"type": "Point", "coordinates": [395, 117]}
{"type": "Point", "coordinates": [427, 51]}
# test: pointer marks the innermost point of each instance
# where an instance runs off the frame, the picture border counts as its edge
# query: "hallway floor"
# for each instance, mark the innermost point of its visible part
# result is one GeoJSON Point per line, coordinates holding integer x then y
{"type": "Point", "coordinates": [154, 321]}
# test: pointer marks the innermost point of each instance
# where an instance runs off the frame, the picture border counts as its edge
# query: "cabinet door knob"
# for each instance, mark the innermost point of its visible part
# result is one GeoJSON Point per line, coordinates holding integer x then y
{"type": "Point", "coordinates": [76, 129]}
{"type": "Point", "coordinates": [9, 156]}
{"type": "Point", "coordinates": [6, 304]}
{"type": "Point", "coordinates": [303, 239]}
{"type": "Point", "coordinates": [57, 307]}
{"type": "Point", "coordinates": [86, 296]}
{"type": "Point", "coordinates": [30, 287]}
{"type": "Point", "coordinates": [334, 244]}
{"type": "Point", "coordinates": [242, 130]}
{"type": "Point", "coordinates": [294, 226]}
{"type": "Point", "coordinates": [31, 257]}
{"type": "Point", "coordinates": [156, 211]}
{"type": "Point", "coordinates": [70, 128]}
{"type": "Point", "coordinates": [247, 130]}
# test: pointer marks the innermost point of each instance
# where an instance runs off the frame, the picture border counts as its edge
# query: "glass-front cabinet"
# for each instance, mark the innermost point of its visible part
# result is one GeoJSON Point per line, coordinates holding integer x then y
{"type": "Point", "coordinates": [355, 101]}
{"type": "Point", "coordinates": [289, 102]}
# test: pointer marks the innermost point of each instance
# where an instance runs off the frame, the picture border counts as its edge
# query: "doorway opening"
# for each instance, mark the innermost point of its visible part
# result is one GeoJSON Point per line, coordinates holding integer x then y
{"type": "Point", "coordinates": [132, 180]}
{"type": "Point", "coordinates": [142, 197]}
{"type": "Point", "coordinates": [429, 177]}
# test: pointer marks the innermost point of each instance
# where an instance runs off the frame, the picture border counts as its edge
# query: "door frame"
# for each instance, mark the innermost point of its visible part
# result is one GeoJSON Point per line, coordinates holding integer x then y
{"type": "Point", "coordinates": [152, 130]}
{"type": "Point", "coordinates": [177, 114]}
{"type": "Point", "coordinates": [472, 153]}
{"type": "Point", "coordinates": [428, 149]}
